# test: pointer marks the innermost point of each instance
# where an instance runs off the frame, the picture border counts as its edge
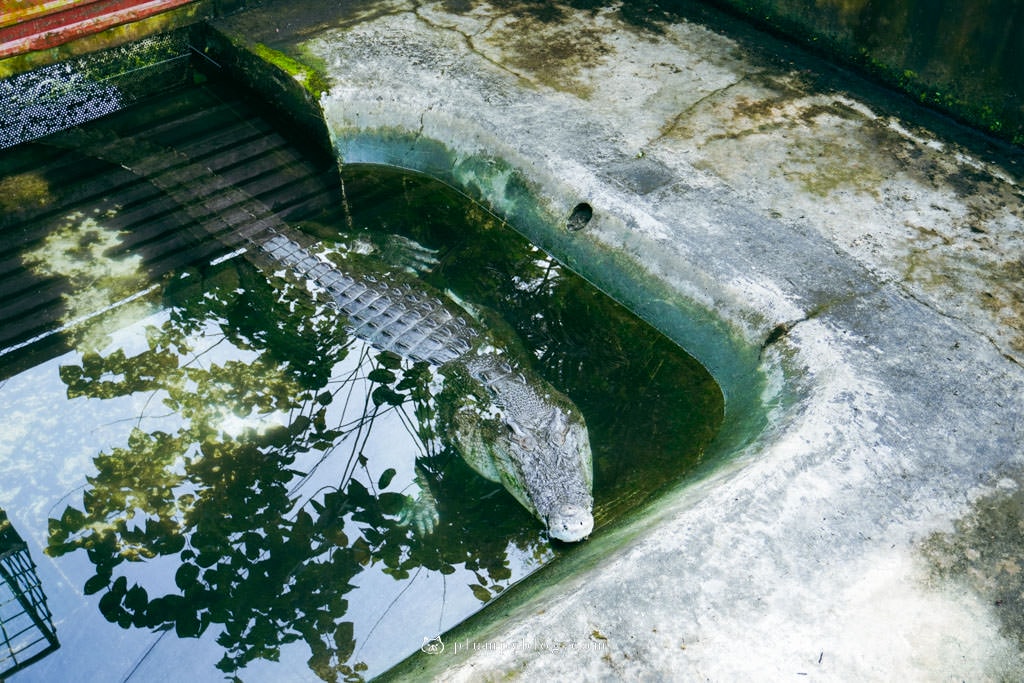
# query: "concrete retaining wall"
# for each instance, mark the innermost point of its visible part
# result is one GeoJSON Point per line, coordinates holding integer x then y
{"type": "Point", "coordinates": [962, 56]}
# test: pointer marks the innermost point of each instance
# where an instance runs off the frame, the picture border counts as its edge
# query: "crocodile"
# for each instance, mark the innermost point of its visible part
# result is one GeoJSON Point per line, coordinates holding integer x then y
{"type": "Point", "coordinates": [512, 427]}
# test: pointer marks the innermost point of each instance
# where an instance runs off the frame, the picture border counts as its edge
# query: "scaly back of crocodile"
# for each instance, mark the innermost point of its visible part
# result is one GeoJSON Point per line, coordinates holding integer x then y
{"type": "Point", "coordinates": [386, 313]}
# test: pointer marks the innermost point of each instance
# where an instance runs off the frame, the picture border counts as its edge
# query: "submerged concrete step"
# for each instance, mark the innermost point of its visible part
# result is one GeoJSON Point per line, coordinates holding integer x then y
{"type": "Point", "coordinates": [232, 159]}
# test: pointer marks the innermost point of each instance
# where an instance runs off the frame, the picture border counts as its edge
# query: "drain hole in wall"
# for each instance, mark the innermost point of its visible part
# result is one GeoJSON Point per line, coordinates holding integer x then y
{"type": "Point", "coordinates": [580, 216]}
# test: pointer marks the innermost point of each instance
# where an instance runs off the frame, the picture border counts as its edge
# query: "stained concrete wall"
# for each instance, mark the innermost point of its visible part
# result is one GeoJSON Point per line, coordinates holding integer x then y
{"type": "Point", "coordinates": [962, 56]}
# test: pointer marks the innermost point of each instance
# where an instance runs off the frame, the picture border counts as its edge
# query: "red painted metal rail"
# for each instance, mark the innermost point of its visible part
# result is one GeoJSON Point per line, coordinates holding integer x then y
{"type": "Point", "coordinates": [29, 25]}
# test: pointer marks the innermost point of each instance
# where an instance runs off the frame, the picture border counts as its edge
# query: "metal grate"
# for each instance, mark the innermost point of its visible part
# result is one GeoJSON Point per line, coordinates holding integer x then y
{"type": "Point", "coordinates": [26, 625]}
{"type": "Point", "coordinates": [66, 94]}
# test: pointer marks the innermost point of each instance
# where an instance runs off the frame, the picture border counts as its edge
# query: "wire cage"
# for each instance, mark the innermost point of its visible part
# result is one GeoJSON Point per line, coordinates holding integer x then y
{"type": "Point", "coordinates": [26, 625]}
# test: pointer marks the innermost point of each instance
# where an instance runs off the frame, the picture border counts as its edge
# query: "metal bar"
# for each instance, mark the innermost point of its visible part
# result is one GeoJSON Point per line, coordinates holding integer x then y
{"type": "Point", "coordinates": [20, 11]}
{"type": "Point", "coordinates": [60, 25]}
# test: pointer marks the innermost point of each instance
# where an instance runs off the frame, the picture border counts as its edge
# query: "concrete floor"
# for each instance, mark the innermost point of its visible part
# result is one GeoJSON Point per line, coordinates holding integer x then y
{"type": "Point", "coordinates": [849, 267]}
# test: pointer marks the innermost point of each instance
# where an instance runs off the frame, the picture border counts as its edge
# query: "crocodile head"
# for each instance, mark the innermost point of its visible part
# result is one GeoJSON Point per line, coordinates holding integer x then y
{"type": "Point", "coordinates": [532, 440]}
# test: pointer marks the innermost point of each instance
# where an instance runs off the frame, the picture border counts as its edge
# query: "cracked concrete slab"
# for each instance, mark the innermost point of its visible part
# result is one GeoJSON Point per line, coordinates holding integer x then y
{"type": "Point", "coordinates": [847, 266]}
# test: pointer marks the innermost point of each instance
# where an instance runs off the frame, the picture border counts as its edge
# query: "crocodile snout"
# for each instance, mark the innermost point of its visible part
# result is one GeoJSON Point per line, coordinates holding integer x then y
{"type": "Point", "coordinates": [571, 523]}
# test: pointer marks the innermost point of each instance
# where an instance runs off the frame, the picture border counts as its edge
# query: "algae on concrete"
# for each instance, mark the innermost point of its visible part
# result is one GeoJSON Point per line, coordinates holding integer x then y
{"type": "Point", "coordinates": [23, 189]}
{"type": "Point", "coordinates": [960, 57]}
{"type": "Point", "coordinates": [309, 78]}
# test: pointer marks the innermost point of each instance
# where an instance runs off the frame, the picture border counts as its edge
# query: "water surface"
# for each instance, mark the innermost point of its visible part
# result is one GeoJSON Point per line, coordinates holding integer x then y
{"type": "Point", "coordinates": [211, 474]}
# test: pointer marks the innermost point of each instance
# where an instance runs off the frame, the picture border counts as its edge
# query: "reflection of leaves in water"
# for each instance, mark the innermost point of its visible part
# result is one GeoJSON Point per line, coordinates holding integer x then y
{"type": "Point", "coordinates": [219, 501]}
{"type": "Point", "coordinates": [217, 491]}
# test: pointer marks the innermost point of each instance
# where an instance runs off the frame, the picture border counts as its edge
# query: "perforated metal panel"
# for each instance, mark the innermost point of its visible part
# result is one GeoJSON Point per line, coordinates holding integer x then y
{"type": "Point", "coordinates": [59, 96]}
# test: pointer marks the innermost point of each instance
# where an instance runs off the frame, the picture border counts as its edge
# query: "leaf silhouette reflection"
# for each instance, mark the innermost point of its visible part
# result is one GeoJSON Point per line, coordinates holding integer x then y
{"type": "Point", "coordinates": [246, 479]}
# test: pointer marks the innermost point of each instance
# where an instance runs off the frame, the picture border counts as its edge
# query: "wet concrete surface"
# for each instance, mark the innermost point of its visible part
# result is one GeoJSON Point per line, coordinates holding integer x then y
{"type": "Point", "coordinates": [851, 268]}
